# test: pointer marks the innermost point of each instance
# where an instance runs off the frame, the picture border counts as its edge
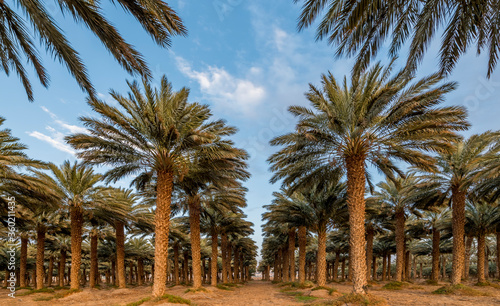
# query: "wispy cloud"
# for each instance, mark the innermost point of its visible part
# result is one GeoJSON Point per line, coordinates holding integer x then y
{"type": "Point", "coordinates": [55, 135]}
{"type": "Point", "coordinates": [225, 90]}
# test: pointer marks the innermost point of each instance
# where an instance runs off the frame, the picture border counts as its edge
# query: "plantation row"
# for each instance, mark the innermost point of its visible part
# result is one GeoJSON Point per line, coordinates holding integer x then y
{"type": "Point", "coordinates": [75, 228]}
{"type": "Point", "coordinates": [440, 193]}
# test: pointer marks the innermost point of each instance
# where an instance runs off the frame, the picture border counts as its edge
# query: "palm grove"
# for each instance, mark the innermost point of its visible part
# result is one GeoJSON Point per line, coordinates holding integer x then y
{"type": "Point", "coordinates": [75, 227]}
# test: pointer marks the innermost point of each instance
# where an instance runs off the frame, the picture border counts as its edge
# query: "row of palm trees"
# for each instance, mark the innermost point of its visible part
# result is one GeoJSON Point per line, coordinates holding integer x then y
{"type": "Point", "coordinates": [393, 123]}
{"type": "Point", "coordinates": [180, 161]}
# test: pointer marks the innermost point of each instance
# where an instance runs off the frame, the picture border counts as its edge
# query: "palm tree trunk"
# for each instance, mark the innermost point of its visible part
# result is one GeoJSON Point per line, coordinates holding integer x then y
{"type": "Point", "coordinates": [336, 266]}
{"type": "Point", "coordinates": [40, 250]}
{"type": "Point", "coordinates": [62, 267]}
{"type": "Point", "coordinates": [435, 254]}
{"type": "Point", "coordinates": [131, 272]}
{"type": "Point", "coordinates": [458, 215]}
{"type": "Point", "coordinates": [356, 205]}
{"type": "Point", "coordinates": [120, 253]}
{"type": "Point", "coordinates": [113, 272]}
{"type": "Point", "coordinates": [286, 264]}
{"type": "Point", "coordinates": [93, 259]}
{"type": "Point", "coordinates": [407, 266]}
{"type": "Point", "coordinates": [237, 265]}
{"type": "Point", "coordinates": [343, 269]}
{"type": "Point", "coordinates": [230, 278]}
{"type": "Point", "coordinates": [400, 243]}
{"type": "Point", "coordinates": [384, 267]}
{"type": "Point", "coordinates": [185, 268]}
{"type": "Point", "coordinates": [140, 271]}
{"type": "Point", "coordinates": [176, 264]}
{"type": "Point", "coordinates": [498, 252]}
{"type": "Point", "coordinates": [51, 271]}
{"type": "Point", "coordinates": [223, 249]}
{"type": "Point", "coordinates": [194, 223]}
{"type": "Point", "coordinates": [302, 253]}
{"type": "Point", "coordinates": [23, 260]}
{"type": "Point", "coordinates": [369, 251]}
{"type": "Point", "coordinates": [481, 247]}
{"type": "Point", "coordinates": [76, 216]}
{"type": "Point", "coordinates": [213, 262]}
{"type": "Point", "coordinates": [291, 253]}
{"type": "Point", "coordinates": [389, 272]}
{"type": "Point", "coordinates": [162, 228]}
{"type": "Point", "coordinates": [375, 268]}
{"type": "Point", "coordinates": [321, 265]}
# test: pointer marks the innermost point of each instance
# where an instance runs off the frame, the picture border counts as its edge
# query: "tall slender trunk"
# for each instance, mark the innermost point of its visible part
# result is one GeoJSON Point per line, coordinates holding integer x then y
{"type": "Point", "coordinates": [356, 205]}
{"type": "Point", "coordinates": [113, 272]}
{"type": "Point", "coordinates": [291, 253]}
{"type": "Point", "coordinates": [194, 224]}
{"type": "Point", "coordinates": [176, 264]}
{"type": "Point", "coordinates": [343, 269]}
{"type": "Point", "coordinates": [407, 265]}
{"type": "Point", "coordinates": [223, 249]}
{"type": "Point", "coordinates": [321, 265]}
{"type": "Point", "coordinates": [369, 250]}
{"type": "Point", "coordinates": [389, 272]}
{"type": "Point", "coordinates": [435, 254]}
{"type": "Point", "coordinates": [40, 251]}
{"type": "Point", "coordinates": [384, 266]}
{"type": "Point", "coordinates": [23, 260]}
{"type": "Point", "coordinates": [336, 266]}
{"type": "Point", "coordinates": [400, 243]}
{"type": "Point", "coordinates": [213, 262]}
{"type": "Point", "coordinates": [51, 271]}
{"type": "Point", "coordinates": [93, 259]}
{"type": "Point", "coordinates": [498, 252]}
{"type": "Point", "coordinates": [229, 258]}
{"type": "Point", "coordinates": [302, 253]}
{"type": "Point", "coordinates": [237, 265]}
{"type": "Point", "coordinates": [162, 227]}
{"type": "Point", "coordinates": [76, 216]}
{"type": "Point", "coordinates": [62, 267]}
{"type": "Point", "coordinates": [131, 272]}
{"type": "Point", "coordinates": [120, 253]}
{"type": "Point", "coordinates": [458, 215]}
{"type": "Point", "coordinates": [414, 267]}
{"type": "Point", "coordinates": [286, 264]}
{"type": "Point", "coordinates": [375, 268]}
{"type": "Point", "coordinates": [481, 247]}
{"type": "Point", "coordinates": [185, 268]}
{"type": "Point", "coordinates": [140, 271]}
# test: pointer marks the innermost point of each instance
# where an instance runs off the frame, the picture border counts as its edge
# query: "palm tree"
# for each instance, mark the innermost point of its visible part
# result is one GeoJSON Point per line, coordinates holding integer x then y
{"type": "Point", "coordinates": [457, 171]}
{"type": "Point", "coordinates": [217, 165]}
{"type": "Point", "coordinates": [361, 27]}
{"type": "Point", "coordinates": [77, 187]}
{"type": "Point", "coordinates": [157, 18]}
{"type": "Point", "coordinates": [153, 136]}
{"type": "Point", "coordinates": [319, 205]}
{"type": "Point", "coordinates": [401, 196]}
{"type": "Point", "coordinates": [481, 220]}
{"type": "Point", "coordinates": [140, 249]}
{"type": "Point", "coordinates": [376, 119]}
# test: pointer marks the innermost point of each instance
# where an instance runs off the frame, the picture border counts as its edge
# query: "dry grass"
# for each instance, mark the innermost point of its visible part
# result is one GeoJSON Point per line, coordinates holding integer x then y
{"type": "Point", "coordinates": [357, 299]}
{"type": "Point", "coordinates": [172, 299]}
{"type": "Point", "coordinates": [459, 290]}
{"type": "Point", "coordinates": [395, 286]}
{"type": "Point", "coordinates": [59, 295]}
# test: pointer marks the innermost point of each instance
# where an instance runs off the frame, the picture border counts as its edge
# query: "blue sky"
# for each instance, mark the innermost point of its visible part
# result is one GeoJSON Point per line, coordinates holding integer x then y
{"type": "Point", "coordinates": [244, 58]}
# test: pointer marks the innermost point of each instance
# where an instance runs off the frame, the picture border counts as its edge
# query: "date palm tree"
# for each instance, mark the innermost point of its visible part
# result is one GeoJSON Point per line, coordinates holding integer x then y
{"type": "Point", "coordinates": [153, 135]}
{"type": "Point", "coordinates": [156, 17]}
{"type": "Point", "coordinates": [458, 171]}
{"type": "Point", "coordinates": [481, 219]}
{"type": "Point", "coordinates": [377, 119]}
{"type": "Point", "coordinates": [77, 186]}
{"type": "Point", "coordinates": [217, 165]}
{"type": "Point", "coordinates": [361, 27]}
{"type": "Point", "coordinates": [401, 197]}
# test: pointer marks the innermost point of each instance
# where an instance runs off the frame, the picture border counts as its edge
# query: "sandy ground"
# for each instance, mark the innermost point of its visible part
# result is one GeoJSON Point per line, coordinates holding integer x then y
{"type": "Point", "coordinates": [255, 293]}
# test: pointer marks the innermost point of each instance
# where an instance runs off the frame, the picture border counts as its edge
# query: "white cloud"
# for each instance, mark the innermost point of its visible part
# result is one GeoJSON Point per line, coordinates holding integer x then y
{"type": "Point", "coordinates": [56, 136]}
{"type": "Point", "coordinates": [225, 90]}
{"type": "Point", "coordinates": [56, 142]}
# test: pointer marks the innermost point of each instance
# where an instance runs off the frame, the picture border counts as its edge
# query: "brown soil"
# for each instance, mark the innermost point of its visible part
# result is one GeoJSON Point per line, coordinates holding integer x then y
{"type": "Point", "coordinates": [258, 293]}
